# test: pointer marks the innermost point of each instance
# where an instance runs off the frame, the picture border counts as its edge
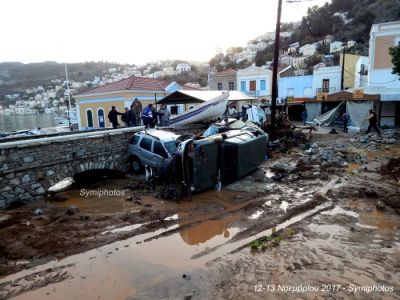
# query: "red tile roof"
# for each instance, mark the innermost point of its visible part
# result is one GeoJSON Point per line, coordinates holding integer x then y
{"type": "Point", "coordinates": [229, 71]}
{"type": "Point", "coordinates": [131, 83]}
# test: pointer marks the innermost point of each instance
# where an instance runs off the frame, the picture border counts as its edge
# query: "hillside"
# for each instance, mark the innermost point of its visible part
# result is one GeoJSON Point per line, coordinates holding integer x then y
{"type": "Point", "coordinates": [343, 19]}
{"type": "Point", "coordinates": [16, 76]}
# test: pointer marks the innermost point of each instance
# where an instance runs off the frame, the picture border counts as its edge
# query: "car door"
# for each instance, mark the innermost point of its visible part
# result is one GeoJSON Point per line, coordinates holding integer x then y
{"type": "Point", "coordinates": [160, 156]}
{"type": "Point", "coordinates": [145, 151]}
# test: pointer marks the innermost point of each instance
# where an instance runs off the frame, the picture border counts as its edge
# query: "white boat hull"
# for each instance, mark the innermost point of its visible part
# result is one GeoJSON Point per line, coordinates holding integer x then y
{"type": "Point", "coordinates": [208, 110]}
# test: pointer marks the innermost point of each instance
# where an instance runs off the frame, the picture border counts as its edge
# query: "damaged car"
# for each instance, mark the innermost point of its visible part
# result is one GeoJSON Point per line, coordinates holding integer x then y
{"type": "Point", "coordinates": [200, 163]}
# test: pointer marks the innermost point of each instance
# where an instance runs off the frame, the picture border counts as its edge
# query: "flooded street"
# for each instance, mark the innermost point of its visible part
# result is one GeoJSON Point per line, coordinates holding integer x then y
{"type": "Point", "coordinates": [284, 224]}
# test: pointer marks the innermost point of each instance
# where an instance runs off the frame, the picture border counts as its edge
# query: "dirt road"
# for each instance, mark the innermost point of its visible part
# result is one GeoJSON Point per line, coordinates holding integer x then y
{"type": "Point", "coordinates": [323, 215]}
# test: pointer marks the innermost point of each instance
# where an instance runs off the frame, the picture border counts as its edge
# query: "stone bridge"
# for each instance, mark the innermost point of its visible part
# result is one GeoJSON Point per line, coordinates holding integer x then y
{"type": "Point", "coordinates": [29, 167]}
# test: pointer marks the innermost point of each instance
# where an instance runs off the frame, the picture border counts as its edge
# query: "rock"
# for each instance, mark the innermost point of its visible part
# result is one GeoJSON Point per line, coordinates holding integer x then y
{"type": "Point", "coordinates": [10, 176]}
{"type": "Point", "coordinates": [71, 210]}
{"type": "Point", "coordinates": [35, 186]}
{"type": "Point", "coordinates": [364, 139]}
{"type": "Point", "coordinates": [308, 151]}
{"type": "Point", "coordinates": [19, 190]}
{"type": "Point", "coordinates": [40, 191]}
{"type": "Point", "coordinates": [38, 212]}
{"type": "Point", "coordinates": [49, 172]}
{"type": "Point", "coordinates": [283, 168]}
{"type": "Point", "coordinates": [26, 179]}
{"type": "Point", "coordinates": [27, 159]}
{"type": "Point", "coordinates": [391, 141]}
{"type": "Point", "coordinates": [326, 154]}
{"type": "Point", "coordinates": [380, 206]}
{"type": "Point", "coordinates": [15, 182]}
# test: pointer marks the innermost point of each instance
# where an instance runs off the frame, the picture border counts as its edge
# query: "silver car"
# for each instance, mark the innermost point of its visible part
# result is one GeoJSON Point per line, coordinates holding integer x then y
{"type": "Point", "coordinates": [152, 147]}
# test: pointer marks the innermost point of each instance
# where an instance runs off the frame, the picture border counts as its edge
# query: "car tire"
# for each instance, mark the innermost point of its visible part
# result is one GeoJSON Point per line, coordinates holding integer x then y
{"type": "Point", "coordinates": [136, 165]}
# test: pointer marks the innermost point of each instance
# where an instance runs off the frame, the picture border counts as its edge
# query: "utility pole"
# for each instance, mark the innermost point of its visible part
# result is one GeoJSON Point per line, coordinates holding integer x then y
{"type": "Point", "coordinates": [69, 98]}
{"type": "Point", "coordinates": [275, 72]}
{"type": "Point", "coordinates": [343, 60]}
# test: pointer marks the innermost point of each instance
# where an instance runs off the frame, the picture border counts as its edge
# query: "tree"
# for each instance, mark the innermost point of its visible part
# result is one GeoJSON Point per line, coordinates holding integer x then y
{"type": "Point", "coordinates": [395, 53]}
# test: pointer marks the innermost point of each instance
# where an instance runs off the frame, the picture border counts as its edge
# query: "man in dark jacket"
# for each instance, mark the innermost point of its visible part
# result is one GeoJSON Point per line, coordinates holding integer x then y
{"type": "Point", "coordinates": [373, 120]}
{"type": "Point", "coordinates": [113, 116]}
{"type": "Point", "coordinates": [131, 117]}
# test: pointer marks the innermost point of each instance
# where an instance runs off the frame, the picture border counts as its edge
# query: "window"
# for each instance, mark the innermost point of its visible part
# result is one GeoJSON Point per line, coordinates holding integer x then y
{"type": "Point", "coordinates": [146, 144]}
{"type": "Point", "coordinates": [219, 86]}
{"type": "Point", "coordinates": [243, 86]}
{"type": "Point", "coordinates": [325, 85]}
{"type": "Point", "coordinates": [174, 110]}
{"type": "Point", "coordinates": [89, 117]}
{"type": "Point", "coordinates": [159, 150]}
{"type": "Point", "coordinates": [263, 85]}
{"type": "Point", "coordinates": [171, 147]}
{"type": "Point", "coordinates": [134, 140]}
{"type": "Point", "coordinates": [253, 85]}
{"type": "Point", "coordinates": [231, 86]}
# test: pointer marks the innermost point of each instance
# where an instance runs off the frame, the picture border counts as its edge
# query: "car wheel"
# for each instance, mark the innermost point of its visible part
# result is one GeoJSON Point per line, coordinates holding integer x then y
{"type": "Point", "coordinates": [137, 166]}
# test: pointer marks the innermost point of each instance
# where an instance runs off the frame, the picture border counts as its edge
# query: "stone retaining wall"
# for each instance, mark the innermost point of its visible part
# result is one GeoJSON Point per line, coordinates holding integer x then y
{"type": "Point", "coordinates": [28, 169]}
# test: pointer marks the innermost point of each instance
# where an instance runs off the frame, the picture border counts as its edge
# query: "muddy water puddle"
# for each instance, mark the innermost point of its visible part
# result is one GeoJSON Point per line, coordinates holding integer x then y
{"type": "Point", "coordinates": [130, 266]}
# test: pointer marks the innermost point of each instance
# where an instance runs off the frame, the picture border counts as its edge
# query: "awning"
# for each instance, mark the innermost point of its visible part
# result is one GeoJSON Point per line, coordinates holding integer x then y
{"type": "Point", "coordinates": [183, 97]}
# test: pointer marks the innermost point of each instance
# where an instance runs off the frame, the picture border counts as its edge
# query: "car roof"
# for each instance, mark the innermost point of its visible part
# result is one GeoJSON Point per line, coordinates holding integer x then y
{"type": "Point", "coordinates": [165, 136]}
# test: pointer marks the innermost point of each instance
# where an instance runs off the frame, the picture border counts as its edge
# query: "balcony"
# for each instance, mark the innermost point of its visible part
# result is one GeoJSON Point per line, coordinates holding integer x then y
{"type": "Point", "coordinates": [326, 90]}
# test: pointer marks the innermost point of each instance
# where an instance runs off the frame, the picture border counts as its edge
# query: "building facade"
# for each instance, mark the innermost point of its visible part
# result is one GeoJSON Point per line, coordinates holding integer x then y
{"type": "Point", "coordinates": [326, 79]}
{"type": "Point", "coordinates": [255, 81]}
{"type": "Point", "coordinates": [224, 80]}
{"type": "Point", "coordinates": [380, 77]}
{"type": "Point", "coordinates": [94, 104]}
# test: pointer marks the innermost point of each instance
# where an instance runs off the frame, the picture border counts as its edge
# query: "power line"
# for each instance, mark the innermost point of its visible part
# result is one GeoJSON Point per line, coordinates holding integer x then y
{"type": "Point", "coordinates": [367, 80]}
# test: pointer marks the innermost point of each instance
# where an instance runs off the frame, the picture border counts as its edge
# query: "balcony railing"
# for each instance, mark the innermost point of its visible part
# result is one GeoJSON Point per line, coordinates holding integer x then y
{"type": "Point", "coordinates": [326, 90]}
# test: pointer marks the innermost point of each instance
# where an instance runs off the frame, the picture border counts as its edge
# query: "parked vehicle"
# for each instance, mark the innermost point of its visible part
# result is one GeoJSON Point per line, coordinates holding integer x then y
{"type": "Point", "coordinates": [152, 147]}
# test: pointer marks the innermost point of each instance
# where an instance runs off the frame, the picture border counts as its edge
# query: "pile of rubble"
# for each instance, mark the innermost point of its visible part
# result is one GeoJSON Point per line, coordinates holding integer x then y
{"type": "Point", "coordinates": [318, 163]}
{"type": "Point", "coordinates": [373, 141]}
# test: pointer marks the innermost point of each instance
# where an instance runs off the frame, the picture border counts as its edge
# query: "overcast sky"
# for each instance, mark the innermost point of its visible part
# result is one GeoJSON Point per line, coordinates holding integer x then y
{"type": "Point", "coordinates": [134, 31]}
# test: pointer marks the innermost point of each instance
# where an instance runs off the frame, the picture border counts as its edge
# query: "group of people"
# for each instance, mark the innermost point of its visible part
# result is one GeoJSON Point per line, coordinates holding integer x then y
{"type": "Point", "coordinates": [136, 116]}
{"type": "Point", "coordinates": [372, 118]}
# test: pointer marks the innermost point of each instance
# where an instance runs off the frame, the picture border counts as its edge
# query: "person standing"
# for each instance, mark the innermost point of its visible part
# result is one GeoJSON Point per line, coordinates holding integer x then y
{"type": "Point", "coordinates": [124, 117]}
{"type": "Point", "coordinates": [164, 115]}
{"type": "Point", "coordinates": [155, 119]}
{"type": "Point", "coordinates": [345, 117]}
{"type": "Point", "coordinates": [373, 120]}
{"type": "Point", "coordinates": [131, 117]}
{"type": "Point", "coordinates": [138, 110]}
{"type": "Point", "coordinates": [147, 116]}
{"type": "Point", "coordinates": [304, 116]}
{"type": "Point", "coordinates": [113, 116]}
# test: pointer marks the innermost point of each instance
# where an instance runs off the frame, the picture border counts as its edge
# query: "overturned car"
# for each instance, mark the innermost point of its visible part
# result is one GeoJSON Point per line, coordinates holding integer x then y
{"type": "Point", "coordinates": [199, 163]}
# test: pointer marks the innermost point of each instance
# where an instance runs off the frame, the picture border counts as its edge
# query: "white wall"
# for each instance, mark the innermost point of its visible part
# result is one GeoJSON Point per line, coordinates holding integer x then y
{"type": "Point", "coordinates": [331, 73]}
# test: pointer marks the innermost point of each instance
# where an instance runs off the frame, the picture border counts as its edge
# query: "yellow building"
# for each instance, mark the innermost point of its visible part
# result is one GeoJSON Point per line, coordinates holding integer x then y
{"type": "Point", "coordinates": [94, 104]}
{"type": "Point", "coordinates": [350, 71]}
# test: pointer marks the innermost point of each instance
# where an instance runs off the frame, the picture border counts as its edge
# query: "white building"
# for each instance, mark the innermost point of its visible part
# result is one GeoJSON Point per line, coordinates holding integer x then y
{"type": "Point", "coordinates": [380, 77]}
{"type": "Point", "coordinates": [255, 81]}
{"type": "Point", "coordinates": [335, 46]}
{"type": "Point", "coordinates": [326, 79]}
{"type": "Point", "coordinates": [308, 49]}
{"type": "Point", "coordinates": [184, 67]}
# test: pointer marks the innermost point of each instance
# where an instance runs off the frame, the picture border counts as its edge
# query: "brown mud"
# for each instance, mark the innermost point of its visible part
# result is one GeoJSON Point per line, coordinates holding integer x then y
{"type": "Point", "coordinates": [337, 226]}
